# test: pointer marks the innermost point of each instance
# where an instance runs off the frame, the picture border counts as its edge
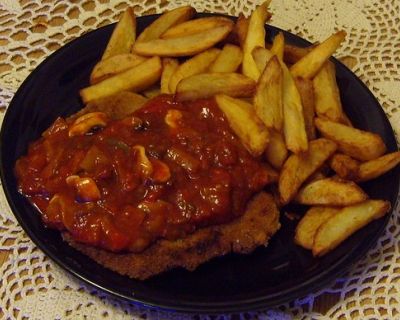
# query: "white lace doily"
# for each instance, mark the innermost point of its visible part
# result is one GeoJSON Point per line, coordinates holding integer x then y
{"type": "Point", "coordinates": [32, 287]}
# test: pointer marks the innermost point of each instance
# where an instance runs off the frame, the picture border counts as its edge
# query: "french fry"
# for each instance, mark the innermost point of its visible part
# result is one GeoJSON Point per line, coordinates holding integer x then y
{"type": "Point", "coordinates": [137, 78]}
{"type": "Point", "coordinates": [292, 54]}
{"type": "Point", "coordinates": [306, 90]}
{"type": "Point", "coordinates": [331, 192]}
{"type": "Point", "coordinates": [309, 224]}
{"type": "Point", "coordinates": [195, 26]}
{"type": "Point", "coordinates": [240, 29]}
{"type": "Point", "coordinates": [344, 223]}
{"type": "Point", "coordinates": [123, 36]}
{"type": "Point", "coordinates": [197, 64]}
{"type": "Point", "coordinates": [298, 167]}
{"type": "Point", "coordinates": [206, 85]}
{"type": "Point", "coordinates": [327, 97]}
{"type": "Point", "coordinates": [169, 67]}
{"type": "Point", "coordinates": [377, 167]}
{"type": "Point", "coordinates": [255, 37]}
{"type": "Point", "coordinates": [118, 105]}
{"type": "Point", "coordinates": [228, 60]}
{"type": "Point", "coordinates": [166, 21]}
{"type": "Point", "coordinates": [345, 166]}
{"type": "Point", "coordinates": [268, 97]}
{"type": "Point", "coordinates": [261, 57]}
{"type": "Point", "coordinates": [278, 46]}
{"type": "Point", "coordinates": [152, 92]}
{"type": "Point", "coordinates": [116, 64]}
{"type": "Point", "coordinates": [359, 144]}
{"type": "Point", "coordinates": [308, 66]}
{"type": "Point", "coordinates": [183, 46]}
{"type": "Point", "coordinates": [245, 123]}
{"type": "Point", "coordinates": [294, 127]}
{"type": "Point", "coordinates": [276, 152]}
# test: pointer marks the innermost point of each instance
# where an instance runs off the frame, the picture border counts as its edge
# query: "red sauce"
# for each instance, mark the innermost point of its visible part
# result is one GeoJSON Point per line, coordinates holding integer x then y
{"type": "Point", "coordinates": [197, 174]}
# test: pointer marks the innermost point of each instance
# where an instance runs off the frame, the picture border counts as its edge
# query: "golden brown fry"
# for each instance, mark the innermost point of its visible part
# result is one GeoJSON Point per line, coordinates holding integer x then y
{"type": "Point", "coordinates": [228, 60]}
{"type": "Point", "coordinates": [137, 78]}
{"type": "Point", "coordinates": [197, 64]}
{"type": "Point", "coordinates": [195, 26]}
{"type": "Point", "coordinates": [239, 32]}
{"type": "Point", "coordinates": [345, 166]}
{"type": "Point", "coordinates": [292, 53]}
{"type": "Point", "coordinates": [152, 92]}
{"type": "Point", "coordinates": [359, 144]}
{"type": "Point", "coordinates": [255, 37]}
{"type": "Point", "coordinates": [298, 167]}
{"type": "Point", "coordinates": [377, 167]}
{"type": "Point", "coordinates": [331, 192]}
{"type": "Point", "coordinates": [261, 57]}
{"type": "Point", "coordinates": [327, 97]}
{"type": "Point", "coordinates": [344, 223]}
{"type": "Point", "coordinates": [116, 64]}
{"type": "Point", "coordinates": [183, 46]}
{"type": "Point", "coordinates": [245, 123]}
{"type": "Point", "coordinates": [206, 85]}
{"type": "Point", "coordinates": [169, 67]}
{"type": "Point", "coordinates": [308, 66]}
{"type": "Point", "coordinates": [278, 46]}
{"type": "Point", "coordinates": [309, 224]}
{"type": "Point", "coordinates": [276, 152]}
{"type": "Point", "coordinates": [123, 36]}
{"type": "Point", "coordinates": [166, 21]}
{"type": "Point", "coordinates": [268, 97]}
{"type": "Point", "coordinates": [306, 90]}
{"type": "Point", "coordinates": [293, 125]}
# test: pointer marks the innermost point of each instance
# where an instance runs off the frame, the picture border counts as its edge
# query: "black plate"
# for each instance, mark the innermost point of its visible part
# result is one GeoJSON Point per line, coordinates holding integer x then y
{"type": "Point", "coordinates": [270, 276]}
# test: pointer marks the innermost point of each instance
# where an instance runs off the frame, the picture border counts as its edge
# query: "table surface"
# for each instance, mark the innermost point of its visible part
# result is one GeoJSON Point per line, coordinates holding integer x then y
{"type": "Point", "coordinates": [31, 30]}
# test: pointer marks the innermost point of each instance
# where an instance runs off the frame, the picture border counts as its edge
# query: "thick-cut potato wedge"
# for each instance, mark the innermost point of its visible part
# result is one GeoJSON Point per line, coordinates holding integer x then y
{"type": "Point", "coordinates": [269, 96]}
{"type": "Point", "coordinates": [327, 97]}
{"type": "Point", "coordinates": [228, 60]}
{"type": "Point", "coordinates": [195, 26]}
{"type": "Point", "coordinates": [197, 64]}
{"type": "Point", "coordinates": [255, 37]}
{"type": "Point", "coordinates": [345, 166]}
{"type": "Point", "coordinates": [276, 152]}
{"type": "Point", "coordinates": [240, 29]}
{"type": "Point", "coordinates": [359, 144]}
{"type": "Point", "coordinates": [308, 66]}
{"type": "Point", "coordinates": [245, 123]}
{"type": "Point", "coordinates": [183, 46]}
{"type": "Point", "coordinates": [117, 106]}
{"type": "Point", "coordinates": [116, 64]}
{"type": "Point", "coordinates": [375, 168]}
{"type": "Point", "coordinates": [261, 57]}
{"type": "Point", "coordinates": [206, 85]}
{"type": "Point", "coordinates": [278, 46]}
{"type": "Point", "coordinates": [152, 92]}
{"type": "Point", "coordinates": [306, 90]}
{"type": "Point", "coordinates": [298, 167]}
{"type": "Point", "coordinates": [292, 53]}
{"type": "Point", "coordinates": [294, 127]}
{"type": "Point", "coordinates": [166, 21]}
{"type": "Point", "coordinates": [123, 36]}
{"type": "Point", "coordinates": [137, 78]}
{"type": "Point", "coordinates": [169, 67]}
{"type": "Point", "coordinates": [331, 192]}
{"type": "Point", "coordinates": [309, 224]}
{"type": "Point", "coordinates": [344, 223]}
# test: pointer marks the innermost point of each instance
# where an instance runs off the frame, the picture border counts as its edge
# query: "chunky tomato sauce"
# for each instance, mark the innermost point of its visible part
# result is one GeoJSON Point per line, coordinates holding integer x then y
{"type": "Point", "coordinates": [162, 172]}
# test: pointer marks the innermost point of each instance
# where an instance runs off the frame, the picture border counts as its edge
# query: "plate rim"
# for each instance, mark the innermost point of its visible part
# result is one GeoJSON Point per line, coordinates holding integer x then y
{"type": "Point", "coordinates": [317, 282]}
